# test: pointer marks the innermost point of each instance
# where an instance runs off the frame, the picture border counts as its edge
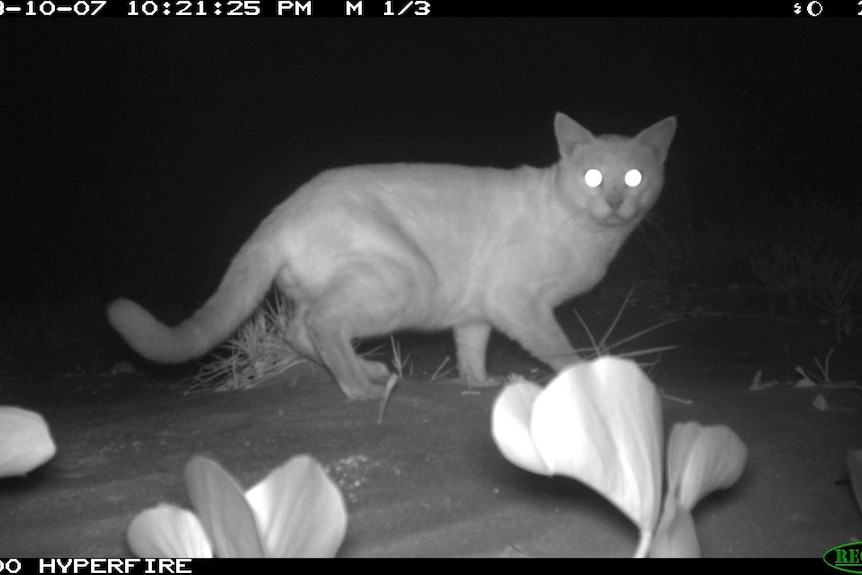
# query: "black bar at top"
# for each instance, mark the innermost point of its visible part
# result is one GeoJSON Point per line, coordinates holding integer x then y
{"type": "Point", "coordinates": [798, 9]}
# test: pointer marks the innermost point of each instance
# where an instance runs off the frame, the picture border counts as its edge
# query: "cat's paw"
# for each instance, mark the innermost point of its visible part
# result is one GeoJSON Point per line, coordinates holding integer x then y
{"type": "Point", "coordinates": [363, 392]}
{"type": "Point", "coordinates": [489, 381]}
{"type": "Point", "coordinates": [376, 371]}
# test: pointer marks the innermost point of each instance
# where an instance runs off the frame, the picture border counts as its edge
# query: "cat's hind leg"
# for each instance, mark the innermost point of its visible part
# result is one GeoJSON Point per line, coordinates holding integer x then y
{"type": "Point", "coordinates": [297, 335]}
{"type": "Point", "coordinates": [298, 338]}
{"type": "Point", "coordinates": [365, 299]}
{"type": "Point", "coordinates": [334, 346]}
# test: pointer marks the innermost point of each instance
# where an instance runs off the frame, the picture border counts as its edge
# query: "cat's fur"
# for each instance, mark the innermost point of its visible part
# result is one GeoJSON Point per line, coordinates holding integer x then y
{"type": "Point", "coordinates": [368, 250]}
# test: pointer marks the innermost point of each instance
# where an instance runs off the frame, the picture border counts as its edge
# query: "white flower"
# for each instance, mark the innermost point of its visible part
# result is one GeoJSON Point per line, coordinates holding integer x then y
{"type": "Point", "coordinates": [296, 511]}
{"type": "Point", "coordinates": [598, 422]}
{"type": "Point", "coordinates": [168, 531]}
{"type": "Point", "coordinates": [700, 460]}
{"type": "Point", "coordinates": [25, 442]}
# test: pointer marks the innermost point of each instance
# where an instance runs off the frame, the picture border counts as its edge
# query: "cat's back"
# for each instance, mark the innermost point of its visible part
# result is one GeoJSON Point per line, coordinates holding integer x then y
{"type": "Point", "coordinates": [405, 190]}
{"type": "Point", "coordinates": [405, 179]}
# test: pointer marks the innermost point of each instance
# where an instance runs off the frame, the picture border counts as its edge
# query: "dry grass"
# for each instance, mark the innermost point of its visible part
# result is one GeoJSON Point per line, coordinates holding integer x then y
{"type": "Point", "coordinates": [256, 353]}
{"type": "Point", "coordinates": [604, 347]}
{"type": "Point", "coordinates": [807, 251]}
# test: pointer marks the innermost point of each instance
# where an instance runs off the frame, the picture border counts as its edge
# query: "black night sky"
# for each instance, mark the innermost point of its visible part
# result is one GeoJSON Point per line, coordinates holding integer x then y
{"type": "Point", "coordinates": [138, 155]}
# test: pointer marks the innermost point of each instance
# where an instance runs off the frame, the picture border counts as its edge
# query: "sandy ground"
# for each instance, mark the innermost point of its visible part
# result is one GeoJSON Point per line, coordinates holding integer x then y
{"type": "Point", "coordinates": [428, 480]}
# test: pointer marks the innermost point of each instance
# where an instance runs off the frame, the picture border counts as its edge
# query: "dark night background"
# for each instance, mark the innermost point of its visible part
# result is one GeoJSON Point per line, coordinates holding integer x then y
{"type": "Point", "coordinates": [138, 154]}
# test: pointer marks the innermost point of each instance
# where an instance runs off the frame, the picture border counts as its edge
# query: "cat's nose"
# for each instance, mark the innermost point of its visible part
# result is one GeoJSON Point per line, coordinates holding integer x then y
{"type": "Point", "coordinates": [614, 200]}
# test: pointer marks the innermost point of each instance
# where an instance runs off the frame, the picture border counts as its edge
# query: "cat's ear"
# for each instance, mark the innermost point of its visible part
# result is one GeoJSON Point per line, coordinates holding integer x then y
{"type": "Point", "coordinates": [569, 134]}
{"type": "Point", "coordinates": [659, 136]}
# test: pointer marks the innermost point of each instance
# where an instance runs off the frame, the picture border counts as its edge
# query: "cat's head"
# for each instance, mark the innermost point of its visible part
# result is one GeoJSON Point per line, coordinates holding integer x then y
{"type": "Point", "coordinates": [614, 179]}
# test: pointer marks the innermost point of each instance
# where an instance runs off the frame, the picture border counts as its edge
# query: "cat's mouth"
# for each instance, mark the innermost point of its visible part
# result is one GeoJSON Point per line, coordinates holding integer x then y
{"type": "Point", "coordinates": [612, 220]}
{"type": "Point", "coordinates": [606, 216]}
{"type": "Point", "coordinates": [611, 216]}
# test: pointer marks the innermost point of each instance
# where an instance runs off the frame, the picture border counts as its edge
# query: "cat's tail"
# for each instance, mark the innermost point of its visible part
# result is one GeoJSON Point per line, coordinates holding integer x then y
{"type": "Point", "coordinates": [243, 287]}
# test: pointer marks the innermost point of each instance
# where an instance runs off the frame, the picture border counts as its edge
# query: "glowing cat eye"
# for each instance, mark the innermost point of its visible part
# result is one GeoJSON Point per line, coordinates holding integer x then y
{"type": "Point", "coordinates": [593, 177]}
{"type": "Point", "coordinates": [633, 178]}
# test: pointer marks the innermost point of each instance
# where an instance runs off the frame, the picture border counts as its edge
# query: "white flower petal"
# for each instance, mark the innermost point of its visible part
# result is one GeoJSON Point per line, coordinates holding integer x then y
{"type": "Point", "coordinates": [300, 511]}
{"type": "Point", "coordinates": [675, 536]}
{"type": "Point", "coordinates": [702, 459]}
{"type": "Point", "coordinates": [600, 422]}
{"type": "Point", "coordinates": [223, 510]}
{"type": "Point", "coordinates": [510, 426]}
{"type": "Point", "coordinates": [25, 442]}
{"type": "Point", "coordinates": [168, 531]}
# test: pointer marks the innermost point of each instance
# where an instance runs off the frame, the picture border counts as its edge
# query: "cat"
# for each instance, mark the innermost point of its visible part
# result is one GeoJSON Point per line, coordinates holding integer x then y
{"type": "Point", "coordinates": [368, 250]}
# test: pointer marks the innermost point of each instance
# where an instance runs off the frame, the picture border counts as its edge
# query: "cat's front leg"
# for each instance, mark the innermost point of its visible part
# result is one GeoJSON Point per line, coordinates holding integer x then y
{"type": "Point", "coordinates": [471, 344]}
{"type": "Point", "coordinates": [533, 325]}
